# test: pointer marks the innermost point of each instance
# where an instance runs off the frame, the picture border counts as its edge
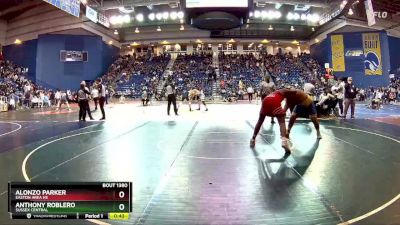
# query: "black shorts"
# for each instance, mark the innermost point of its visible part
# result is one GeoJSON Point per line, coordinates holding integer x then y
{"type": "Point", "coordinates": [305, 111]}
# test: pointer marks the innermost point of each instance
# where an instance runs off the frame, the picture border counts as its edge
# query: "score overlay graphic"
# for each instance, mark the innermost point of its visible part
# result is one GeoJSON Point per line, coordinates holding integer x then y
{"type": "Point", "coordinates": [89, 200]}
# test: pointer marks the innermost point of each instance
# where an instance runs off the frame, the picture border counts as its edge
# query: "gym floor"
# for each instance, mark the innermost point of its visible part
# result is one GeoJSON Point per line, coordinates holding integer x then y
{"type": "Point", "coordinates": [198, 168]}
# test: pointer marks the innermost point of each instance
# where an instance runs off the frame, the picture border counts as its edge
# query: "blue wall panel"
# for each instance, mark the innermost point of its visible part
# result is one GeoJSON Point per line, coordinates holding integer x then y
{"type": "Point", "coordinates": [109, 55]}
{"type": "Point", "coordinates": [42, 57]}
{"type": "Point", "coordinates": [68, 75]}
{"type": "Point", "coordinates": [321, 51]}
{"type": "Point", "coordinates": [394, 51]}
{"type": "Point", "coordinates": [23, 55]}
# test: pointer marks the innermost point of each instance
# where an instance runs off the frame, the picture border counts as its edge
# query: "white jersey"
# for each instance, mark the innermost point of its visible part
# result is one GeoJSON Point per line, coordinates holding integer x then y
{"type": "Point", "coordinates": [309, 89]}
{"type": "Point", "coordinates": [267, 88]}
{"type": "Point", "coordinates": [202, 95]}
{"type": "Point", "coordinates": [95, 93]}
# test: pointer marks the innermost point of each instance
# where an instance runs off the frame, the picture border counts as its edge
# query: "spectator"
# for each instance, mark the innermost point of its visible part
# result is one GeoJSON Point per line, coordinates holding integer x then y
{"type": "Point", "coordinates": [350, 95]}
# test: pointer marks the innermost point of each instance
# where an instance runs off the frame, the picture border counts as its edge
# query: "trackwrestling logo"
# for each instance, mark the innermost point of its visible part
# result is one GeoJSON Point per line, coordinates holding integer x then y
{"type": "Point", "coordinates": [372, 61]}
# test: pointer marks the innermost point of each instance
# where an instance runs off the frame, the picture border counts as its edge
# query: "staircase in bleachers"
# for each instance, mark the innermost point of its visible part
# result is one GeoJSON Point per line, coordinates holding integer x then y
{"type": "Point", "coordinates": [216, 91]}
{"type": "Point", "coordinates": [167, 72]}
{"type": "Point", "coordinates": [145, 73]}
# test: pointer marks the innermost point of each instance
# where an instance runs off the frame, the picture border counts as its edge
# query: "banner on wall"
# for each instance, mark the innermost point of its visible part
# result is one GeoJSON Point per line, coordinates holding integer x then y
{"type": "Point", "coordinates": [70, 6]}
{"type": "Point", "coordinates": [91, 14]}
{"type": "Point", "coordinates": [372, 54]}
{"type": "Point", "coordinates": [337, 46]}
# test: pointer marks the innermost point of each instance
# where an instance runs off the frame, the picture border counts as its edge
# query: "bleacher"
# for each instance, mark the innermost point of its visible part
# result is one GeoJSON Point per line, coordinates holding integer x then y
{"type": "Point", "coordinates": [140, 73]}
{"type": "Point", "coordinates": [192, 71]}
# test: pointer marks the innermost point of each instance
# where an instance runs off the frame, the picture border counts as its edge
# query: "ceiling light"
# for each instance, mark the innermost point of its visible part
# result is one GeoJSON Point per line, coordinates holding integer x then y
{"type": "Point", "coordinates": [113, 20]}
{"type": "Point", "coordinates": [270, 15]}
{"type": "Point", "coordinates": [115, 32]}
{"type": "Point", "coordinates": [165, 15]}
{"type": "Point", "coordinates": [110, 42]}
{"type": "Point", "coordinates": [309, 17]}
{"type": "Point", "coordinates": [270, 27]}
{"type": "Point", "coordinates": [296, 16]}
{"type": "Point", "coordinates": [278, 5]}
{"type": "Point", "coordinates": [289, 16]}
{"type": "Point", "coordinates": [17, 41]}
{"type": "Point", "coordinates": [159, 16]}
{"type": "Point", "coordinates": [278, 15]}
{"type": "Point", "coordinates": [198, 41]}
{"type": "Point", "coordinates": [264, 14]}
{"type": "Point", "coordinates": [303, 17]}
{"type": "Point", "coordinates": [126, 19]}
{"type": "Point", "coordinates": [350, 12]}
{"type": "Point", "coordinates": [295, 42]}
{"type": "Point", "coordinates": [137, 30]}
{"type": "Point", "coordinates": [257, 14]}
{"type": "Point", "coordinates": [140, 17]}
{"type": "Point", "coordinates": [313, 29]}
{"type": "Point", "coordinates": [152, 16]}
{"type": "Point", "coordinates": [180, 15]}
{"type": "Point", "coordinates": [265, 41]}
{"type": "Point", "coordinates": [174, 15]}
{"type": "Point", "coordinates": [315, 18]}
{"type": "Point", "coordinates": [291, 28]}
{"type": "Point", "coordinates": [84, 2]}
{"type": "Point", "coordinates": [316, 40]}
{"type": "Point", "coordinates": [135, 44]}
{"type": "Point", "coordinates": [126, 10]}
{"type": "Point", "coordinates": [164, 42]}
{"type": "Point", "coordinates": [251, 14]}
{"type": "Point", "coordinates": [181, 20]}
{"type": "Point", "coordinates": [182, 28]}
{"type": "Point", "coordinates": [158, 28]}
{"type": "Point", "coordinates": [343, 4]}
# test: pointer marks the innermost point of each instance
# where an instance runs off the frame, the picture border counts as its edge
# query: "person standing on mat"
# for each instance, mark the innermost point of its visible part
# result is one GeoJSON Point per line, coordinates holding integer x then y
{"type": "Point", "coordinates": [338, 91]}
{"type": "Point", "coordinates": [350, 93]}
{"type": "Point", "coordinates": [171, 97]}
{"type": "Point", "coordinates": [303, 106]}
{"type": "Point", "coordinates": [250, 92]}
{"type": "Point", "coordinates": [83, 101]}
{"type": "Point", "coordinates": [202, 99]}
{"type": "Point", "coordinates": [102, 99]}
{"type": "Point", "coordinates": [267, 87]}
{"type": "Point", "coordinates": [95, 96]}
{"type": "Point", "coordinates": [194, 95]}
{"type": "Point", "coordinates": [271, 106]}
{"type": "Point", "coordinates": [87, 102]}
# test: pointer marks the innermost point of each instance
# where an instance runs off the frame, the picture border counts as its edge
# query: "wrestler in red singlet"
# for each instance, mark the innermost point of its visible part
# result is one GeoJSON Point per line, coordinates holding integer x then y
{"type": "Point", "coordinates": [271, 106]}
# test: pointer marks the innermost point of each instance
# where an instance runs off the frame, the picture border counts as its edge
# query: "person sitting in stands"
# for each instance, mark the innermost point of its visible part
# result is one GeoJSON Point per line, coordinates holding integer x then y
{"type": "Point", "coordinates": [326, 103]}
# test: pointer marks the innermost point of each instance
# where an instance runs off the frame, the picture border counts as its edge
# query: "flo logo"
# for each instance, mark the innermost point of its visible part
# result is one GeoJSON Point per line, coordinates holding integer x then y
{"type": "Point", "coordinates": [372, 61]}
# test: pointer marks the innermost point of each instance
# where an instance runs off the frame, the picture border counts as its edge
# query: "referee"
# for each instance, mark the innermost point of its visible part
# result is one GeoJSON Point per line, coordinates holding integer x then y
{"type": "Point", "coordinates": [102, 99]}
{"type": "Point", "coordinates": [170, 92]}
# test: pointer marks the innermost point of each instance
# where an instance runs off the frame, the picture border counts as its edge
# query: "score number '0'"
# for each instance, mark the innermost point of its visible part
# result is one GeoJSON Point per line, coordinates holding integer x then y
{"type": "Point", "coordinates": [121, 194]}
